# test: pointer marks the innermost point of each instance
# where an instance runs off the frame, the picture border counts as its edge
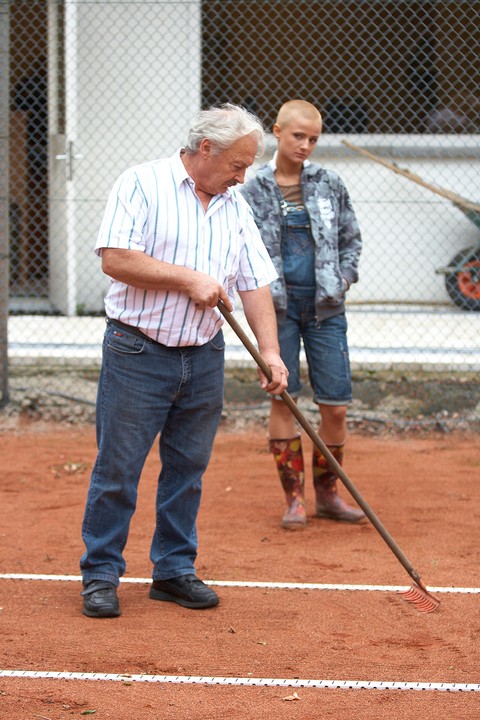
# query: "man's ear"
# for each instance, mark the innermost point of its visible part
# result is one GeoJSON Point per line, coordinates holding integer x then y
{"type": "Point", "coordinates": [276, 130]}
{"type": "Point", "coordinates": [205, 148]}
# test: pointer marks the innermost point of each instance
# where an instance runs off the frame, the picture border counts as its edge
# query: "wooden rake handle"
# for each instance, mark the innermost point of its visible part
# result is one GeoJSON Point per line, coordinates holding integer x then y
{"type": "Point", "coordinates": [313, 435]}
{"type": "Point", "coordinates": [458, 200]}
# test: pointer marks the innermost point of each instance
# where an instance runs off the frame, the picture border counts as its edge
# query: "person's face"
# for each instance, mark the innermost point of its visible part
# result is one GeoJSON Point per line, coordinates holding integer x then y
{"type": "Point", "coordinates": [297, 138]}
{"type": "Point", "coordinates": [226, 168]}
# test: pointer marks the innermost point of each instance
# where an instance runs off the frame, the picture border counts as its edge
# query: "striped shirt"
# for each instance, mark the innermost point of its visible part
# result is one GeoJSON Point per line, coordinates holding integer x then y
{"type": "Point", "coordinates": [153, 208]}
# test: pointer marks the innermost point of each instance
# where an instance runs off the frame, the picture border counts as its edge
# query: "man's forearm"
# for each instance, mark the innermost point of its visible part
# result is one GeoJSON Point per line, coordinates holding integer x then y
{"type": "Point", "coordinates": [133, 267]}
{"type": "Point", "coordinates": [260, 315]}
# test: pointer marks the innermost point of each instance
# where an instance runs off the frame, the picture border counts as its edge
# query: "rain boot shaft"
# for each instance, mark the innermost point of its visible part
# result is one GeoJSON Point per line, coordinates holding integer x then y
{"type": "Point", "coordinates": [289, 460]}
{"type": "Point", "coordinates": [328, 502]}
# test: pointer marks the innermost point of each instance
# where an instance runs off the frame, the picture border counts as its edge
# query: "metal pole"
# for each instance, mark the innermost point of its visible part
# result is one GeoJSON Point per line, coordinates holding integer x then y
{"type": "Point", "coordinates": [4, 197]}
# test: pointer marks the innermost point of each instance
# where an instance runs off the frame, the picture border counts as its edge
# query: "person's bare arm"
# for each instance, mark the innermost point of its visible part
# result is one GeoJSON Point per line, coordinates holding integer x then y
{"type": "Point", "coordinates": [260, 315]}
{"type": "Point", "coordinates": [133, 267]}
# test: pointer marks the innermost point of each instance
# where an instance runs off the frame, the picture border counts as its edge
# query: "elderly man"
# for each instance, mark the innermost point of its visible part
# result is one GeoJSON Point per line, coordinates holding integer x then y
{"type": "Point", "coordinates": [175, 239]}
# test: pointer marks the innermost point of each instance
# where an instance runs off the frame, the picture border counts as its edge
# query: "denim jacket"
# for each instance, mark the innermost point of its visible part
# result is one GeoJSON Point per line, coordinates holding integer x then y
{"type": "Point", "coordinates": [334, 229]}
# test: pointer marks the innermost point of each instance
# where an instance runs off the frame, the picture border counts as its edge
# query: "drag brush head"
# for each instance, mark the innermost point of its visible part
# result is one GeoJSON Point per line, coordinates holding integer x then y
{"type": "Point", "coordinates": [421, 598]}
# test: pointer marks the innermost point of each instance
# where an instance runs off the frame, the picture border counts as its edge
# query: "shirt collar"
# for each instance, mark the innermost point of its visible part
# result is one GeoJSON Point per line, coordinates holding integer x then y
{"type": "Point", "coordinates": [273, 162]}
{"type": "Point", "coordinates": [179, 170]}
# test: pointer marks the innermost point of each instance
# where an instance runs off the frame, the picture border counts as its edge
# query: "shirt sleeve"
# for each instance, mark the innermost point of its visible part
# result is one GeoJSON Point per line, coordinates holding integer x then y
{"type": "Point", "coordinates": [125, 215]}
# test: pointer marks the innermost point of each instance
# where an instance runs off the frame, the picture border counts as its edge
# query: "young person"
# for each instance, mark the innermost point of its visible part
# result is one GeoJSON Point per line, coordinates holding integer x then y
{"type": "Point", "coordinates": [308, 225]}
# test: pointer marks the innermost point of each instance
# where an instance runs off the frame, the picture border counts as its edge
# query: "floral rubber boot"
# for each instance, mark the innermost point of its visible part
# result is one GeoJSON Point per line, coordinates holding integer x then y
{"type": "Point", "coordinates": [328, 503]}
{"type": "Point", "coordinates": [289, 460]}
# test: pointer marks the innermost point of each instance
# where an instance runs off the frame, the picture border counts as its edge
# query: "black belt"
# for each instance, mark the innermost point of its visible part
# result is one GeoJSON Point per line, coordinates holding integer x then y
{"type": "Point", "coordinates": [129, 328]}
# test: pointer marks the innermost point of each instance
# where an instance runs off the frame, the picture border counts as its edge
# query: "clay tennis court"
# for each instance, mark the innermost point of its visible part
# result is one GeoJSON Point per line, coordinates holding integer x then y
{"type": "Point", "coordinates": [282, 643]}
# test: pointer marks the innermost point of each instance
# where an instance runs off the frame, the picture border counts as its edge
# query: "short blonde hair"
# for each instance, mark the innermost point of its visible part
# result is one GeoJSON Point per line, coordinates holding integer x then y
{"type": "Point", "coordinates": [297, 107]}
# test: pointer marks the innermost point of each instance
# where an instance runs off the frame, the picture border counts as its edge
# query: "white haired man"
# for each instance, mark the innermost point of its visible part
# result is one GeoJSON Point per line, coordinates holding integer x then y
{"type": "Point", "coordinates": [175, 239]}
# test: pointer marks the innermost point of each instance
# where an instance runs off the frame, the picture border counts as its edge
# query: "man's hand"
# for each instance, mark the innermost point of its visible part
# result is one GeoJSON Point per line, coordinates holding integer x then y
{"type": "Point", "coordinates": [279, 379]}
{"type": "Point", "coordinates": [205, 291]}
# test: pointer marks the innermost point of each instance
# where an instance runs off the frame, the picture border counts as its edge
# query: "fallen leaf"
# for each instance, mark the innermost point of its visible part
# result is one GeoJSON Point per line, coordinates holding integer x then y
{"type": "Point", "coordinates": [291, 697]}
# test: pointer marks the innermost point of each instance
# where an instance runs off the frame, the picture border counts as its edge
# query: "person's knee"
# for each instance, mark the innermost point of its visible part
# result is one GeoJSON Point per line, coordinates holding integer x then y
{"type": "Point", "coordinates": [334, 415]}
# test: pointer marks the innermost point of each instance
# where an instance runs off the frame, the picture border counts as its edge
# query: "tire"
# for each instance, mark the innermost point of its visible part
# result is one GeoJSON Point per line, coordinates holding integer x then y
{"type": "Point", "coordinates": [463, 286]}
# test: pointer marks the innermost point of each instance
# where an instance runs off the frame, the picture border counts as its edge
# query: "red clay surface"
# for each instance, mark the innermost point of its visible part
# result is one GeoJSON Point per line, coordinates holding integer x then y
{"type": "Point", "coordinates": [426, 491]}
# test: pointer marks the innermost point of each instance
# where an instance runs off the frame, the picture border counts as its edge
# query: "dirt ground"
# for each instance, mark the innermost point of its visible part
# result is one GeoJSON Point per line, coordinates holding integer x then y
{"type": "Point", "coordinates": [425, 490]}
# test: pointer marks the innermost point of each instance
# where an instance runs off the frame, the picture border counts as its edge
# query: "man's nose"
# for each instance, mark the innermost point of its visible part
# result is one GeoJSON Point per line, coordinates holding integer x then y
{"type": "Point", "coordinates": [240, 175]}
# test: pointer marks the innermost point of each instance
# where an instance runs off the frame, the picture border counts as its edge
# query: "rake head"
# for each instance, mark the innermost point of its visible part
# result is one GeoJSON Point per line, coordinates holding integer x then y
{"type": "Point", "coordinates": [421, 598]}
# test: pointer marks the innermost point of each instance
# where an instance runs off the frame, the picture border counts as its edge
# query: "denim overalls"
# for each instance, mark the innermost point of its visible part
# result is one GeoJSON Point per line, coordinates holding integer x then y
{"type": "Point", "coordinates": [325, 342]}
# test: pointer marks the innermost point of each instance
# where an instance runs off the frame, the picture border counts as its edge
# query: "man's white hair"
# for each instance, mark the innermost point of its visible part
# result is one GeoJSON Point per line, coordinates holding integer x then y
{"type": "Point", "coordinates": [224, 125]}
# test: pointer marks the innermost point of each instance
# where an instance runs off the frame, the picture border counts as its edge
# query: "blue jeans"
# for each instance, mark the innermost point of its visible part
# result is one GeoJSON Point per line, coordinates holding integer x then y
{"type": "Point", "coordinates": [145, 389]}
{"type": "Point", "coordinates": [326, 351]}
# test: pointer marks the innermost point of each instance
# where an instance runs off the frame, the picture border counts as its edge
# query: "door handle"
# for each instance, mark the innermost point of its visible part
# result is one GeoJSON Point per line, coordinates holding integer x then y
{"type": "Point", "coordinates": [69, 158]}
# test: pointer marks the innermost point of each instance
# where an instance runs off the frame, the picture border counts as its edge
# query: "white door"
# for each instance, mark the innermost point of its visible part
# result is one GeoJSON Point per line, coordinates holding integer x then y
{"type": "Point", "coordinates": [124, 86]}
{"type": "Point", "coordinates": [63, 156]}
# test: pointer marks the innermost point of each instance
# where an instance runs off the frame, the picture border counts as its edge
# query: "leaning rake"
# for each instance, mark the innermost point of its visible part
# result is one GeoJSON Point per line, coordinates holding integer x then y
{"type": "Point", "coordinates": [417, 593]}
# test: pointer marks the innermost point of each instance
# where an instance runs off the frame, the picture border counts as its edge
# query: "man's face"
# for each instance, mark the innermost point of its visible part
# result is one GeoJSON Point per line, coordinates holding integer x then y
{"type": "Point", "coordinates": [226, 169]}
{"type": "Point", "coordinates": [297, 138]}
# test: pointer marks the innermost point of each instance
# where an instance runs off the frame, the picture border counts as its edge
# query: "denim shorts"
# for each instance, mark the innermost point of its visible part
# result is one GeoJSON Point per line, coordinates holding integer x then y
{"type": "Point", "coordinates": [326, 351]}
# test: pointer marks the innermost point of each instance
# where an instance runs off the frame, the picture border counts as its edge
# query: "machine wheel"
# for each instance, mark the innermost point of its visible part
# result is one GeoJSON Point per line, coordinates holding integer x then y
{"type": "Point", "coordinates": [463, 286]}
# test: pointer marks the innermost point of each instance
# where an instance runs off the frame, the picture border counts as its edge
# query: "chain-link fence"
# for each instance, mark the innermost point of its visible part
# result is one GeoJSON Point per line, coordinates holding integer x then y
{"type": "Point", "coordinates": [91, 87]}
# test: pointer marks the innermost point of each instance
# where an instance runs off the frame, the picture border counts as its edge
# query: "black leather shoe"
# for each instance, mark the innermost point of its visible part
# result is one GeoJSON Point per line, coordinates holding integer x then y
{"type": "Point", "coordinates": [186, 590]}
{"type": "Point", "coordinates": [100, 599]}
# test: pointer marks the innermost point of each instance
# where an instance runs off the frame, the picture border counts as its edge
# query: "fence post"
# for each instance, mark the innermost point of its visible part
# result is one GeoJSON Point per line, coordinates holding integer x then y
{"type": "Point", "coordinates": [4, 202]}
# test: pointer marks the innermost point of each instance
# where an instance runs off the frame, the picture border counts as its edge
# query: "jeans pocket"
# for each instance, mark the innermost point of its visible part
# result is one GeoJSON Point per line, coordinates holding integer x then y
{"type": "Point", "coordinates": [124, 343]}
{"type": "Point", "coordinates": [218, 342]}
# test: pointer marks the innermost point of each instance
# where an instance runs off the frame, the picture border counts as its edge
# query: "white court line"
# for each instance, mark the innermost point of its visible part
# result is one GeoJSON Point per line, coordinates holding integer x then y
{"type": "Point", "coordinates": [254, 584]}
{"type": "Point", "coordinates": [254, 682]}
